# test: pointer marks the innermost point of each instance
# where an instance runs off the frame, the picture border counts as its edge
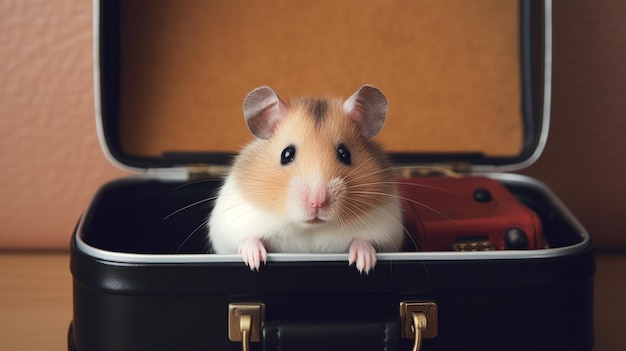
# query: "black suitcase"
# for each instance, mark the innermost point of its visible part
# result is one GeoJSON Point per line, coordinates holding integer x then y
{"type": "Point", "coordinates": [143, 280]}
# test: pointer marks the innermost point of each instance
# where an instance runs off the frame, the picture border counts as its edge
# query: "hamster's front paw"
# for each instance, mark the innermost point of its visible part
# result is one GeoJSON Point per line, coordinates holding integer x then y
{"type": "Point", "coordinates": [363, 254]}
{"type": "Point", "coordinates": [253, 252]}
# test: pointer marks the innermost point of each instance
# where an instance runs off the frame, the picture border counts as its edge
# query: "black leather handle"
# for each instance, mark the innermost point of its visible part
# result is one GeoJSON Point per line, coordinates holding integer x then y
{"type": "Point", "coordinates": [350, 335]}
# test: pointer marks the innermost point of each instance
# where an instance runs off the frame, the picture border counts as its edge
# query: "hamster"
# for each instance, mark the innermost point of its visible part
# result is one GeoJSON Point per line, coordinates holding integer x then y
{"type": "Point", "coordinates": [312, 181]}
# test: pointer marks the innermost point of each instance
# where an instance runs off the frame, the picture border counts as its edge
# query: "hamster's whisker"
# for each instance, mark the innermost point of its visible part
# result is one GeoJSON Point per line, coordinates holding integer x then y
{"type": "Point", "coordinates": [404, 229]}
{"type": "Point", "coordinates": [227, 209]}
{"type": "Point", "coordinates": [415, 244]}
{"type": "Point", "coordinates": [417, 185]}
{"type": "Point", "coordinates": [365, 194]}
{"type": "Point", "coordinates": [204, 223]}
{"type": "Point", "coordinates": [363, 175]}
{"type": "Point", "coordinates": [412, 240]}
{"type": "Point", "coordinates": [268, 190]}
{"type": "Point", "coordinates": [357, 216]}
{"type": "Point", "coordinates": [193, 183]}
{"type": "Point", "coordinates": [429, 187]}
{"type": "Point", "coordinates": [358, 180]}
{"type": "Point", "coordinates": [189, 206]}
{"type": "Point", "coordinates": [356, 169]}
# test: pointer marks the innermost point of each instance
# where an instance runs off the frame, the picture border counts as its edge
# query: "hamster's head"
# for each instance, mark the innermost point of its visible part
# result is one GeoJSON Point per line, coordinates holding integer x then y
{"type": "Point", "coordinates": [313, 162]}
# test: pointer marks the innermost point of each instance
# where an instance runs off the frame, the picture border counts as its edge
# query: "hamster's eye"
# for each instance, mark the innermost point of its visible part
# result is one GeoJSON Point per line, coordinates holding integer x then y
{"type": "Point", "coordinates": [343, 154]}
{"type": "Point", "coordinates": [288, 155]}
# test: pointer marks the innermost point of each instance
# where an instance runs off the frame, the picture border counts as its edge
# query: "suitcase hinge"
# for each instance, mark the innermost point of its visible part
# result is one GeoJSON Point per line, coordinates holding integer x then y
{"type": "Point", "coordinates": [454, 169]}
{"type": "Point", "coordinates": [204, 171]}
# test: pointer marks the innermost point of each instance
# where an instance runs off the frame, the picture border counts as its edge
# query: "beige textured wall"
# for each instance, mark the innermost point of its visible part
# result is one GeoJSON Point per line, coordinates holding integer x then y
{"type": "Point", "coordinates": [50, 159]}
{"type": "Point", "coordinates": [51, 164]}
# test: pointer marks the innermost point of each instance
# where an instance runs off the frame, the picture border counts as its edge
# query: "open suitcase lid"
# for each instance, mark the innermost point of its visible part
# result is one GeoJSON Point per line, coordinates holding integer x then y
{"type": "Point", "coordinates": [468, 82]}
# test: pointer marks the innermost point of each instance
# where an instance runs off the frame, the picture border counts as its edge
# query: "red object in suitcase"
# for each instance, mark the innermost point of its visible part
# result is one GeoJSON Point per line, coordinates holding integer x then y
{"type": "Point", "coordinates": [467, 214]}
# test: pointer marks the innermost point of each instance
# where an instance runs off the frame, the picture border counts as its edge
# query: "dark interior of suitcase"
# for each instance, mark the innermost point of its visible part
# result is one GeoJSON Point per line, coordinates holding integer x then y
{"type": "Point", "coordinates": [151, 57]}
{"type": "Point", "coordinates": [165, 217]}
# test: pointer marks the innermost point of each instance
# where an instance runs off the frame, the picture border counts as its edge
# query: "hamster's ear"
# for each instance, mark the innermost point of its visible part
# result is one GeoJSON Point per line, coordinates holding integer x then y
{"type": "Point", "coordinates": [368, 108]}
{"type": "Point", "coordinates": [263, 109]}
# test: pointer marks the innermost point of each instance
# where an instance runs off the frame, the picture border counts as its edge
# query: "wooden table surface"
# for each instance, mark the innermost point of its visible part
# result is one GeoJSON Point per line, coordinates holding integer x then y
{"type": "Point", "coordinates": [36, 301]}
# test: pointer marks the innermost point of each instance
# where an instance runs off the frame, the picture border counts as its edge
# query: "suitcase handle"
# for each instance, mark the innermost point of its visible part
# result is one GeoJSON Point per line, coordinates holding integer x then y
{"type": "Point", "coordinates": [349, 335]}
{"type": "Point", "coordinates": [418, 320]}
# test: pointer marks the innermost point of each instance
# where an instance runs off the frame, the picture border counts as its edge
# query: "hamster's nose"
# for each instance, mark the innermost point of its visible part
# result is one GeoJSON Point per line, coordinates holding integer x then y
{"type": "Point", "coordinates": [318, 204]}
{"type": "Point", "coordinates": [318, 199]}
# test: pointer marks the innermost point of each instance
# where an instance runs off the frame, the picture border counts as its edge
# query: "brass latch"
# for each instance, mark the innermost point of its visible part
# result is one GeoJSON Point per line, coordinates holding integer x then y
{"type": "Point", "coordinates": [244, 322]}
{"type": "Point", "coordinates": [418, 320]}
{"type": "Point", "coordinates": [473, 244]}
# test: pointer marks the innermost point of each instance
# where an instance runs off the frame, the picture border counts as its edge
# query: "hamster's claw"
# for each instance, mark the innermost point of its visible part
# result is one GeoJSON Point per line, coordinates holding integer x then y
{"type": "Point", "coordinates": [253, 252]}
{"type": "Point", "coordinates": [363, 254]}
